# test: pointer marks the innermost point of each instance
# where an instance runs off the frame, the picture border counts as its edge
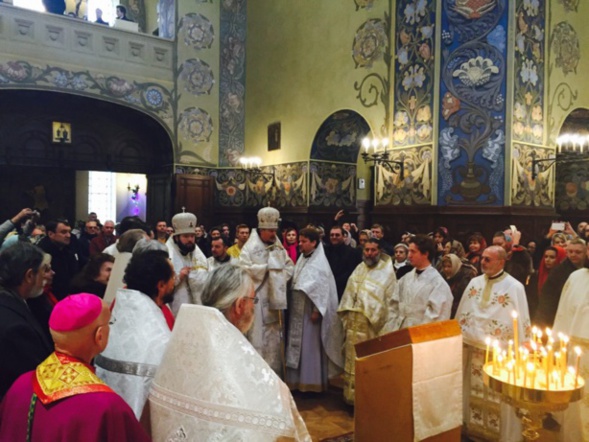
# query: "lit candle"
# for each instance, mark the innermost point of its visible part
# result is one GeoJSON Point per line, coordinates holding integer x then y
{"type": "Point", "coordinates": [488, 342]}
{"type": "Point", "coordinates": [510, 350]}
{"type": "Point", "coordinates": [495, 354]}
{"type": "Point", "coordinates": [515, 336]}
{"type": "Point", "coordinates": [531, 371]}
{"type": "Point", "coordinates": [577, 362]}
{"type": "Point", "coordinates": [545, 367]}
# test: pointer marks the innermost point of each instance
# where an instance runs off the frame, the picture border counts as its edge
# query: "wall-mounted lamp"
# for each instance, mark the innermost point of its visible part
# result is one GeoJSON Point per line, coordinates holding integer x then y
{"type": "Point", "coordinates": [381, 158]}
{"type": "Point", "coordinates": [252, 165]}
{"type": "Point", "coordinates": [135, 191]}
{"type": "Point", "coordinates": [570, 148]}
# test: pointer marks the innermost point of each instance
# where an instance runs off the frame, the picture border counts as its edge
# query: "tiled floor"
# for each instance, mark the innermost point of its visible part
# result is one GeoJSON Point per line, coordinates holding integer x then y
{"type": "Point", "coordinates": [325, 414]}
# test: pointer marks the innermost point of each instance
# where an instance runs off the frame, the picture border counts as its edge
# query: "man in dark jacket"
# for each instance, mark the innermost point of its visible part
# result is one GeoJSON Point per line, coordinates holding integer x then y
{"type": "Point", "coordinates": [64, 260]}
{"type": "Point", "coordinates": [519, 262]}
{"type": "Point", "coordinates": [23, 344]}
{"type": "Point", "coordinates": [342, 259]}
{"type": "Point", "coordinates": [552, 289]}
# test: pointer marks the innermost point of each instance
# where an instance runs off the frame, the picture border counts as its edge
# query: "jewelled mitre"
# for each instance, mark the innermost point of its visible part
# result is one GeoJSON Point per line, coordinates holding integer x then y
{"type": "Point", "coordinates": [268, 218]}
{"type": "Point", "coordinates": [184, 222]}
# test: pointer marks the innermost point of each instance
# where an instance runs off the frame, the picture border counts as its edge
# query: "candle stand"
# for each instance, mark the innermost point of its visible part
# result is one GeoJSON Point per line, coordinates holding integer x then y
{"type": "Point", "coordinates": [532, 403]}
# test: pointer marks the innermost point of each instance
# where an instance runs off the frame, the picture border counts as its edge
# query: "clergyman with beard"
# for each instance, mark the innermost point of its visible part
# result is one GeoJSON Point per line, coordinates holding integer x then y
{"type": "Point", "coordinates": [188, 260]}
{"type": "Point", "coordinates": [364, 306]}
{"type": "Point", "coordinates": [141, 326]}
{"type": "Point", "coordinates": [23, 343]}
{"type": "Point", "coordinates": [213, 367]}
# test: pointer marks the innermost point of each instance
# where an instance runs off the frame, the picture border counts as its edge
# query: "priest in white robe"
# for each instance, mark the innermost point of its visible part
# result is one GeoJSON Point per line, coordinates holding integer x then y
{"type": "Point", "coordinates": [422, 295]}
{"type": "Point", "coordinates": [572, 319]}
{"type": "Point", "coordinates": [212, 384]}
{"type": "Point", "coordinates": [188, 260]}
{"type": "Point", "coordinates": [219, 257]}
{"type": "Point", "coordinates": [267, 263]}
{"type": "Point", "coordinates": [485, 311]}
{"type": "Point", "coordinates": [139, 330]}
{"type": "Point", "coordinates": [363, 308]}
{"type": "Point", "coordinates": [315, 334]}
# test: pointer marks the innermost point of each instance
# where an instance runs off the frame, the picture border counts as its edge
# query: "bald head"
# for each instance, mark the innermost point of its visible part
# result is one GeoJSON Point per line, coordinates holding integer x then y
{"type": "Point", "coordinates": [493, 260]}
{"type": "Point", "coordinates": [86, 342]}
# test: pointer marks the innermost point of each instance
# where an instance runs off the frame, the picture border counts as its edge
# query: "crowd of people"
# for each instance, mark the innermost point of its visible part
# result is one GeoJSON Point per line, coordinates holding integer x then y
{"type": "Point", "coordinates": [124, 306]}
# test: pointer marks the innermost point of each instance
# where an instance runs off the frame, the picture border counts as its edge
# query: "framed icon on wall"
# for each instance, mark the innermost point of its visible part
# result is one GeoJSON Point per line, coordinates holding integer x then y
{"type": "Point", "coordinates": [274, 136]}
{"type": "Point", "coordinates": [62, 132]}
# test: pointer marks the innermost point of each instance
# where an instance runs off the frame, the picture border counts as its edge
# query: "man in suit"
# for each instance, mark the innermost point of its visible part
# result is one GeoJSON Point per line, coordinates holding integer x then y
{"type": "Point", "coordinates": [23, 344]}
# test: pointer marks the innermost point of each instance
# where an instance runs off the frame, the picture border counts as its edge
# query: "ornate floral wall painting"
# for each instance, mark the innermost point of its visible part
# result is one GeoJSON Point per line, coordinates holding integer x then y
{"type": "Point", "coordinates": [415, 71]}
{"type": "Point", "coordinates": [528, 112]}
{"type": "Point", "coordinates": [339, 138]}
{"type": "Point", "coordinates": [416, 186]}
{"type": "Point", "coordinates": [233, 25]}
{"type": "Point", "coordinates": [332, 185]}
{"type": "Point", "coordinates": [473, 89]}
{"type": "Point", "coordinates": [524, 190]}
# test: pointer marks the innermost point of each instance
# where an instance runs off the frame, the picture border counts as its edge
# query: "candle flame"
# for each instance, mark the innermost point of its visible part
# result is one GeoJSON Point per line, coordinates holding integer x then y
{"type": "Point", "coordinates": [514, 314]}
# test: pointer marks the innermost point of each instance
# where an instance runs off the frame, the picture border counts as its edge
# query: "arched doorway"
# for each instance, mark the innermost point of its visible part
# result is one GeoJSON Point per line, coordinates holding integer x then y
{"type": "Point", "coordinates": [572, 178]}
{"type": "Point", "coordinates": [38, 171]}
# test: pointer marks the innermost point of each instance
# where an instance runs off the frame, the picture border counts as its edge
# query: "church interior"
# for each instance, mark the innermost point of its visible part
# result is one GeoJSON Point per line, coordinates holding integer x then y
{"type": "Point", "coordinates": [408, 113]}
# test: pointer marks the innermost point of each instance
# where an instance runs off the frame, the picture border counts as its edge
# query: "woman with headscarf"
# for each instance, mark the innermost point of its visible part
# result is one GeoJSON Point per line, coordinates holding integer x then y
{"type": "Point", "coordinates": [457, 274]}
{"type": "Point", "coordinates": [552, 257]}
{"type": "Point", "coordinates": [290, 242]}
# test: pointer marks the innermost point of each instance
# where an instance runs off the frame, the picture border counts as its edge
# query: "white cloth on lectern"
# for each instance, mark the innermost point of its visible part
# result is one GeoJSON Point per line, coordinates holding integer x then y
{"type": "Point", "coordinates": [437, 386]}
{"type": "Point", "coordinates": [212, 385]}
{"type": "Point", "coordinates": [117, 275]}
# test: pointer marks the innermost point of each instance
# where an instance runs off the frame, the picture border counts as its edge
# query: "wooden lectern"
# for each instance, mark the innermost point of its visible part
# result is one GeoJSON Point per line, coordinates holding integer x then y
{"type": "Point", "coordinates": [384, 381]}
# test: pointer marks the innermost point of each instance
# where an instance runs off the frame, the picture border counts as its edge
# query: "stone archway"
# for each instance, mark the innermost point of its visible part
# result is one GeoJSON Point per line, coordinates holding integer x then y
{"type": "Point", "coordinates": [104, 137]}
{"type": "Point", "coordinates": [572, 178]}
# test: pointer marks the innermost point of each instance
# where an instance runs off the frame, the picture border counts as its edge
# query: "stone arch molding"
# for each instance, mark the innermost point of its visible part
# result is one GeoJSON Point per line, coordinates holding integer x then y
{"type": "Point", "coordinates": [150, 98]}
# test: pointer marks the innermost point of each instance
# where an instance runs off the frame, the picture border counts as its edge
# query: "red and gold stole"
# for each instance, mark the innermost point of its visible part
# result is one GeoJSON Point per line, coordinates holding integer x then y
{"type": "Point", "coordinates": [60, 376]}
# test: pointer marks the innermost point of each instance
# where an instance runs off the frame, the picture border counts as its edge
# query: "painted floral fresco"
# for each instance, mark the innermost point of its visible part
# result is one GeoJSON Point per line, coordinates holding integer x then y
{"type": "Point", "coordinates": [524, 190]}
{"type": "Point", "coordinates": [565, 45]}
{"type": "Point", "coordinates": [370, 43]}
{"type": "Point", "coordinates": [473, 88]}
{"type": "Point", "coordinates": [340, 137]}
{"type": "Point", "coordinates": [151, 98]}
{"type": "Point", "coordinates": [195, 125]}
{"type": "Point", "coordinates": [364, 4]}
{"type": "Point", "coordinates": [572, 187]}
{"type": "Point", "coordinates": [416, 186]}
{"type": "Point", "coordinates": [197, 76]}
{"type": "Point", "coordinates": [570, 5]}
{"type": "Point", "coordinates": [232, 81]}
{"type": "Point", "coordinates": [197, 31]}
{"type": "Point", "coordinates": [415, 70]}
{"type": "Point", "coordinates": [529, 63]}
{"type": "Point", "coordinates": [332, 185]}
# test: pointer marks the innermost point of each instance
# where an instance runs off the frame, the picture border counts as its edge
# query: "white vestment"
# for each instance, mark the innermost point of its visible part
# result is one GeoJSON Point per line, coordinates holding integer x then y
{"type": "Point", "coordinates": [572, 319]}
{"type": "Point", "coordinates": [117, 275]}
{"type": "Point", "coordinates": [419, 298]}
{"type": "Point", "coordinates": [363, 310]}
{"type": "Point", "coordinates": [485, 310]}
{"type": "Point", "coordinates": [215, 264]}
{"type": "Point", "coordinates": [213, 386]}
{"type": "Point", "coordinates": [138, 338]}
{"type": "Point", "coordinates": [313, 279]}
{"type": "Point", "coordinates": [270, 268]}
{"type": "Point", "coordinates": [189, 290]}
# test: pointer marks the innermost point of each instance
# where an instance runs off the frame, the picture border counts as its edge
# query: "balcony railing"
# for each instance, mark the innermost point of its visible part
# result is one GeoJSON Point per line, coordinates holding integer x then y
{"type": "Point", "coordinates": [54, 40]}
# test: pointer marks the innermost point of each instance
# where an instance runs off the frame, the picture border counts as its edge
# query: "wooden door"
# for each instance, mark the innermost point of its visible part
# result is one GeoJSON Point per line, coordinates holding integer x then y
{"type": "Point", "coordinates": [195, 193]}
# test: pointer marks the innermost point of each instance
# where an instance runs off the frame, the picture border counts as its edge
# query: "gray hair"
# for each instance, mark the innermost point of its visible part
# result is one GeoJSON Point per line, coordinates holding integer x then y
{"type": "Point", "coordinates": [145, 244]}
{"type": "Point", "coordinates": [225, 285]}
{"type": "Point", "coordinates": [128, 240]}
